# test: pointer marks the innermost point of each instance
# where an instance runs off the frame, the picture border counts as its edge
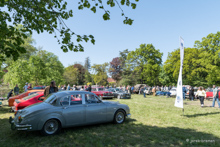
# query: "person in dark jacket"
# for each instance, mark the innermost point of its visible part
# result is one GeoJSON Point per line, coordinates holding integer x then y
{"type": "Point", "coordinates": [89, 88]}
{"type": "Point", "coordinates": [50, 89]}
{"type": "Point", "coordinates": [16, 89]}
{"type": "Point", "coordinates": [191, 93]}
{"type": "Point", "coordinates": [10, 94]}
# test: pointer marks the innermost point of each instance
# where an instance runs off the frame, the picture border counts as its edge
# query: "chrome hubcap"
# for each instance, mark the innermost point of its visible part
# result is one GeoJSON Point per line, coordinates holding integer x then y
{"type": "Point", "coordinates": [51, 126]}
{"type": "Point", "coordinates": [120, 117]}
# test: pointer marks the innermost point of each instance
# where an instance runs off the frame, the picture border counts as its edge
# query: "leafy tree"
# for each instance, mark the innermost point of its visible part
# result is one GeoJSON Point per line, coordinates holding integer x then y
{"type": "Point", "coordinates": [193, 73]}
{"type": "Point", "coordinates": [115, 69]}
{"type": "Point", "coordinates": [87, 65]}
{"type": "Point", "coordinates": [41, 68]}
{"type": "Point", "coordinates": [54, 68]}
{"type": "Point", "coordinates": [88, 77]}
{"type": "Point", "coordinates": [47, 16]}
{"type": "Point", "coordinates": [209, 57]}
{"type": "Point", "coordinates": [18, 73]}
{"type": "Point", "coordinates": [129, 76]}
{"type": "Point", "coordinates": [71, 75]}
{"type": "Point", "coordinates": [37, 69]}
{"type": "Point", "coordinates": [100, 76]}
{"type": "Point", "coordinates": [81, 73]}
{"type": "Point", "coordinates": [164, 78]}
{"type": "Point", "coordinates": [146, 61]}
{"type": "Point", "coordinates": [123, 57]}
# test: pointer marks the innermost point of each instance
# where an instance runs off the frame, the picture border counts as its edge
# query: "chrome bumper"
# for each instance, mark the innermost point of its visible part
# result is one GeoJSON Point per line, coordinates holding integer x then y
{"type": "Point", "coordinates": [19, 127]}
{"type": "Point", "coordinates": [129, 115]}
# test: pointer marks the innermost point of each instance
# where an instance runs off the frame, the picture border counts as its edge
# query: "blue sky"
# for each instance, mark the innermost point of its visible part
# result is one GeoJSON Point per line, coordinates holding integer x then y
{"type": "Point", "coordinates": [157, 22]}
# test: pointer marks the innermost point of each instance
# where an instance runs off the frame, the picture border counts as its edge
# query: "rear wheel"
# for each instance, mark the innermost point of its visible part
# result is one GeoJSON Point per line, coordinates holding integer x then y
{"type": "Point", "coordinates": [51, 127]}
{"type": "Point", "coordinates": [119, 117]}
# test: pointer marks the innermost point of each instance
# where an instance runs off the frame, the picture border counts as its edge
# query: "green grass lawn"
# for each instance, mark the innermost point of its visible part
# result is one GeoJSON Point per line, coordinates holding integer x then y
{"type": "Point", "coordinates": [155, 122]}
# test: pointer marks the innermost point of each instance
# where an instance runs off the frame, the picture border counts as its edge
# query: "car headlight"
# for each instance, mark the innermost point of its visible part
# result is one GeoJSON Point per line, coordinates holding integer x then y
{"type": "Point", "coordinates": [20, 118]}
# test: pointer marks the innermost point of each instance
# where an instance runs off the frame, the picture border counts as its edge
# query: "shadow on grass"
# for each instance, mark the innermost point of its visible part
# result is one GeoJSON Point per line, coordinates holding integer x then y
{"type": "Point", "coordinates": [108, 134]}
{"type": "Point", "coordinates": [202, 114]}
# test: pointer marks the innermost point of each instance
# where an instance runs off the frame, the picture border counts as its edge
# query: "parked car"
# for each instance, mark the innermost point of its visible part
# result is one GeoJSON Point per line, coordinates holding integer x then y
{"type": "Point", "coordinates": [120, 94]}
{"type": "Point", "coordinates": [114, 91]}
{"type": "Point", "coordinates": [28, 100]}
{"type": "Point", "coordinates": [22, 95]}
{"type": "Point", "coordinates": [173, 92]}
{"type": "Point", "coordinates": [148, 91]}
{"type": "Point", "coordinates": [67, 109]}
{"type": "Point", "coordinates": [99, 91]}
{"type": "Point", "coordinates": [138, 87]}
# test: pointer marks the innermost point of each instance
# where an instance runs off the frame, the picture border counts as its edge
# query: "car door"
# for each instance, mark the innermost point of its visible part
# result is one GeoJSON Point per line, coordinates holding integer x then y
{"type": "Point", "coordinates": [73, 109]}
{"type": "Point", "coordinates": [96, 110]}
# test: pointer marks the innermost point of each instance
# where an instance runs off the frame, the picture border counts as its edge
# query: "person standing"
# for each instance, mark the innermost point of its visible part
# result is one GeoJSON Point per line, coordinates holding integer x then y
{"type": "Point", "coordinates": [132, 89]}
{"type": "Point", "coordinates": [82, 88]}
{"type": "Point", "coordinates": [215, 96]}
{"type": "Point", "coordinates": [144, 88]}
{"type": "Point", "coordinates": [89, 88]}
{"type": "Point", "coordinates": [154, 91]}
{"type": "Point", "coordinates": [25, 87]}
{"type": "Point", "coordinates": [191, 93]}
{"type": "Point", "coordinates": [29, 87]}
{"type": "Point", "coordinates": [68, 87]}
{"type": "Point", "coordinates": [64, 87]}
{"type": "Point", "coordinates": [202, 95]}
{"type": "Point", "coordinates": [16, 89]}
{"type": "Point", "coordinates": [184, 92]}
{"type": "Point", "coordinates": [50, 89]}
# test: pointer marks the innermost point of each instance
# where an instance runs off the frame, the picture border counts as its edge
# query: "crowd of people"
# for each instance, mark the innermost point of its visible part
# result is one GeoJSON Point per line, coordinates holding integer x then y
{"type": "Point", "coordinates": [200, 93]}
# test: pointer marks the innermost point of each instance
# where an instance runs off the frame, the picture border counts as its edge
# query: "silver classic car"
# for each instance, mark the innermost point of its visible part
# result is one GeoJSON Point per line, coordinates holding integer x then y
{"type": "Point", "coordinates": [67, 109]}
{"type": "Point", "coordinates": [120, 94]}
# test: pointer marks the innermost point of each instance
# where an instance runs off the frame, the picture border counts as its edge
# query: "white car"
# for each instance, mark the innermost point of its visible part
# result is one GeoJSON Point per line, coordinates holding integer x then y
{"type": "Point", "coordinates": [173, 92]}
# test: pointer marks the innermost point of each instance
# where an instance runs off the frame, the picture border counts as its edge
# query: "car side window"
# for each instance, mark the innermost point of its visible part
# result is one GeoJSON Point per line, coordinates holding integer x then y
{"type": "Point", "coordinates": [76, 99]}
{"type": "Point", "coordinates": [90, 98]}
{"type": "Point", "coordinates": [65, 101]}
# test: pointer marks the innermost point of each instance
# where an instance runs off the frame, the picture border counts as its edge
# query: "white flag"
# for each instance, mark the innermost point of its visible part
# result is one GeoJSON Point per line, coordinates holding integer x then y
{"type": "Point", "coordinates": [179, 90]}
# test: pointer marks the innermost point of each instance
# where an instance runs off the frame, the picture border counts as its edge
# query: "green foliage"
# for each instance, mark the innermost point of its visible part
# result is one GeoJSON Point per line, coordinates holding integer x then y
{"type": "Point", "coordinates": [19, 72]}
{"type": "Point", "coordinates": [146, 61]}
{"type": "Point", "coordinates": [47, 16]}
{"type": "Point", "coordinates": [71, 75]}
{"type": "Point", "coordinates": [100, 77]}
{"type": "Point", "coordinates": [88, 77]}
{"type": "Point", "coordinates": [201, 64]}
{"type": "Point", "coordinates": [40, 69]}
{"type": "Point", "coordinates": [87, 64]}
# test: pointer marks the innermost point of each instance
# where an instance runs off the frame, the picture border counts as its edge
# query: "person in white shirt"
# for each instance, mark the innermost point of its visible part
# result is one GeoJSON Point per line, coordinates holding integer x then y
{"type": "Point", "coordinates": [202, 95]}
{"type": "Point", "coordinates": [25, 87]}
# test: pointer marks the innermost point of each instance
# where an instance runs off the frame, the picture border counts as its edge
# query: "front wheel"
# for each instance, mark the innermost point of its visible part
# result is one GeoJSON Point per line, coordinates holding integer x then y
{"type": "Point", "coordinates": [119, 117]}
{"type": "Point", "coordinates": [51, 127]}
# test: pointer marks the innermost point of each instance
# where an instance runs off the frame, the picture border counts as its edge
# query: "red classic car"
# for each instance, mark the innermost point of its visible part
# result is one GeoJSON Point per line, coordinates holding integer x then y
{"type": "Point", "coordinates": [99, 91]}
{"type": "Point", "coordinates": [28, 100]}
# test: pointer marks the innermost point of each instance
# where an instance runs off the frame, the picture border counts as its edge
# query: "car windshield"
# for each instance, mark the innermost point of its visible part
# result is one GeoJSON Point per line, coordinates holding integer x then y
{"type": "Point", "coordinates": [100, 89]}
{"type": "Point", "coordinates": [30, 96]}
{"type": "Point", "coordinates": [117, 89]}
{"type": "Point", "coordinates": [50, 98]}
{"type": "Point", "coordinates": [38, 88]}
